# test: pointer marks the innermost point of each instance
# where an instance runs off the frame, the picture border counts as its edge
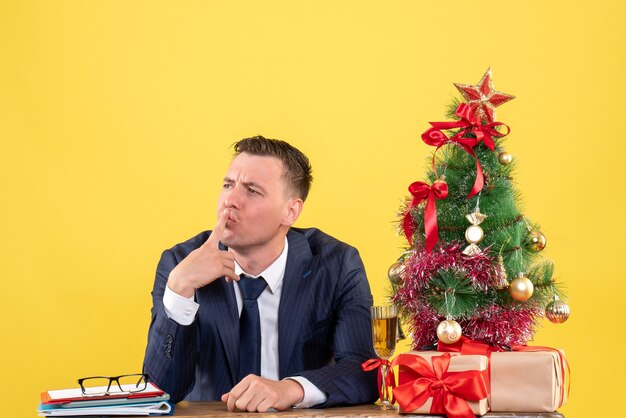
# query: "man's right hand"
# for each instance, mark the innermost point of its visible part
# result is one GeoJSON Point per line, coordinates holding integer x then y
{"type": "Point", "coordinates": [205, 264]}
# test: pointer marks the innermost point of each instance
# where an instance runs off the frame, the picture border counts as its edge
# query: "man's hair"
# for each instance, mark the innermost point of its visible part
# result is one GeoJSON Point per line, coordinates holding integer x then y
{"type": "Point", "coordinates": [296, 164]}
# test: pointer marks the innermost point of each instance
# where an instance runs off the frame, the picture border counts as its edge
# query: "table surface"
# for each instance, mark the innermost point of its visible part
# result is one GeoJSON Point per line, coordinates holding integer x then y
{"type": "Point", "coordinates": [218, 409]}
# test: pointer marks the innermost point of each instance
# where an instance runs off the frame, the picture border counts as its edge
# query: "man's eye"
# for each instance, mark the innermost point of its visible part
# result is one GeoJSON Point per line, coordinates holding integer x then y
{"type": "Point", "coordinates": [252, 191]}
{"type": "Point", "coordinates": [227, 186]}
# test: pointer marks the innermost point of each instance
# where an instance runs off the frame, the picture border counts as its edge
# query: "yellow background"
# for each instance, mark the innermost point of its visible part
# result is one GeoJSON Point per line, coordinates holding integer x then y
{"type": "Point", "coordinates": [116, 119]}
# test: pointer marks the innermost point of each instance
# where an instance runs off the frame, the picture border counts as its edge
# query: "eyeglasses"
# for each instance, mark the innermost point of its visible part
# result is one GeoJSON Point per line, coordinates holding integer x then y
{"type": "Point", "coordinates": [103, 385]}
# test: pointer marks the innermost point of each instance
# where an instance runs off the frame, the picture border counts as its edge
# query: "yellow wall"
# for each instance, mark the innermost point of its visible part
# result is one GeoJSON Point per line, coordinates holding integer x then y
{"type": "Point", "coordinates": [116, 118]}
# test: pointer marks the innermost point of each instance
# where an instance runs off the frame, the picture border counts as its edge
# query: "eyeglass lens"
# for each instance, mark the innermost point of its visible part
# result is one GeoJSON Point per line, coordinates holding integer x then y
{"type": "Point", "coordinates": [99, 385]}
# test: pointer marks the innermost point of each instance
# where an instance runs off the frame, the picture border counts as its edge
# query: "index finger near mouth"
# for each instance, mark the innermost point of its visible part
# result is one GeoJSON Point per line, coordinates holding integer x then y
{"type": "Point", "coordinates": [218, 230]}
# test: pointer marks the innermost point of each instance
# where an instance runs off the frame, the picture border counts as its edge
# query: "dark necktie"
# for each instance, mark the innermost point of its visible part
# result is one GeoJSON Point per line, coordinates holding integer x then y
{"type": "Point", "coordinates": [250, 326]}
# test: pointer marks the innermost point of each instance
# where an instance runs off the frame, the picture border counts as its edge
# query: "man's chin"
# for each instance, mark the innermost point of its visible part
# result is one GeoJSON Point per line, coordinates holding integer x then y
{"type": "Point", "coordinates": [230, 240]}
{"type": "Point", "coordinates": [227, 241]}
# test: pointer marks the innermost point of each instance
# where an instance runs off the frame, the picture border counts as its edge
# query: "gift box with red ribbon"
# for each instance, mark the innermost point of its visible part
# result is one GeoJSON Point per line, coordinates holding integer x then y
{"type": "Point", "coordinates": [530, 379]}
{"type": "Point", "coordinates": [431, 382]}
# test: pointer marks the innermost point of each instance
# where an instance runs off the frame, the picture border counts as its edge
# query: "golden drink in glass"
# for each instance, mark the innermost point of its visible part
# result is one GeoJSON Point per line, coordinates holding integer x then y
{"type": "Point", "coordinates": [384, 335]}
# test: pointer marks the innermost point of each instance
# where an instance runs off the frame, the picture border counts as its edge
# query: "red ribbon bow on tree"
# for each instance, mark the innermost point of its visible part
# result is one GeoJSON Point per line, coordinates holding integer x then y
{"type": "Point", "coordinates": [469, 123]}
{"type": "Point", "coordinates": [420, 192]}
{"type": "Point", "coordinates": [450, 390]}
{"type": "Point", "coordinates": [390, 378]}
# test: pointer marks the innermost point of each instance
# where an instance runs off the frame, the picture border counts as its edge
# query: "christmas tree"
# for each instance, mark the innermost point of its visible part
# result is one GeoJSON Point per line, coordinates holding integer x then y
{"type": "Point", "coordinates": [473, 263]}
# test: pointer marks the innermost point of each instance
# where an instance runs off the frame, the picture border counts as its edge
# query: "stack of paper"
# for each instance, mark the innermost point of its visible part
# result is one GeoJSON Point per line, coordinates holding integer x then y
{"type": "Point", "coordinates": [72, 402]}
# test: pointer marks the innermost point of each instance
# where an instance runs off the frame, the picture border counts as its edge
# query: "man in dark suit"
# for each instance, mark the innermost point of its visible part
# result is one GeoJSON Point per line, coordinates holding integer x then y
{"type": "Point", "coordinates": [298, 338]}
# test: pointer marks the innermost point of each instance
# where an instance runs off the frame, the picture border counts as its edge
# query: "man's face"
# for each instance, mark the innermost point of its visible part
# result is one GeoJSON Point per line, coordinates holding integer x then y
{"type": "Point", "coordinates": [254, 191]}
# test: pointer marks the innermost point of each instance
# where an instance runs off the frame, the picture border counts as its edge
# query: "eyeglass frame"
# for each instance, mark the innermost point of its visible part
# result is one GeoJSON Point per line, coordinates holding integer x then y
{"type": "Point", "coordinates": [142, 377]}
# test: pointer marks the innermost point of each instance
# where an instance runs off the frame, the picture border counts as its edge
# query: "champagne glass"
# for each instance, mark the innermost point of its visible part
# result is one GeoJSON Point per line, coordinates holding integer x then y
{"type": "Point", "coordinates": [384, 333]}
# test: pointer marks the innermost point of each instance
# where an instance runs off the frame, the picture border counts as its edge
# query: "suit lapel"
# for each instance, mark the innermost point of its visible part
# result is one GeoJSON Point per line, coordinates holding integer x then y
{"type": "Point", "coordinates": [296, 285]}
{"type": "Point", "coordinates": [221, 301]}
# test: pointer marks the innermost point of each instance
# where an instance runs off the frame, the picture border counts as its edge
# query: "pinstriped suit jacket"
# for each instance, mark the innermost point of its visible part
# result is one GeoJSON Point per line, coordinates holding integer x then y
{"type": "Point", "coordinates": [324, 326]}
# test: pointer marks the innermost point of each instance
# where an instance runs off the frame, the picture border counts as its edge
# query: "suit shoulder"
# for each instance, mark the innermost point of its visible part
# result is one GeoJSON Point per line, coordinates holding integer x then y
{"type": "Point", "coordinates": [323, 244]}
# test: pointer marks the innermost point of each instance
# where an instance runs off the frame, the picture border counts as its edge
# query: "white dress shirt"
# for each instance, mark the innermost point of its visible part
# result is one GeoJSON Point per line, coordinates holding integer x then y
{"type": "Point", "coordinates": [183, 310]}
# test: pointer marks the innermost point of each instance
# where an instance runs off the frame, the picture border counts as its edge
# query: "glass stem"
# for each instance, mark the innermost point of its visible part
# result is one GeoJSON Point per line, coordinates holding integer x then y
{"type": "Point", "coordinates": [384, 388]}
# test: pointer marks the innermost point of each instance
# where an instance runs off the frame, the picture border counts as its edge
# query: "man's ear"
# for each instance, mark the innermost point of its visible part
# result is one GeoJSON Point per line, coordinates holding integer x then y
{"type": "Point", "coordinates": [294, 209]}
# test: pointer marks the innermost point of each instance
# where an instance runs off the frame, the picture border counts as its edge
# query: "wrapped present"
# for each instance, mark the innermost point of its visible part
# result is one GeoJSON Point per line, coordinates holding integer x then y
{"type": "Point", "coordinates": [528, 381]}
{"type": "Point", "coordinates": [434, 383]}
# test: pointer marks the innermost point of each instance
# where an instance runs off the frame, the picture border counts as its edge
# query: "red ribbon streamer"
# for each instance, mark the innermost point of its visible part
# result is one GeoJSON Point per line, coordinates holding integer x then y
{"type": "Point", "coordinates": [468, 346]}
{"type": "Point", "coordinates": [468, 123]}
{"type": "Point", "coordinates": [422, 191]}
{"type": "Point", "coordinates": [450, 390]}
{"type": "Point", "coordinates": [390, 378]}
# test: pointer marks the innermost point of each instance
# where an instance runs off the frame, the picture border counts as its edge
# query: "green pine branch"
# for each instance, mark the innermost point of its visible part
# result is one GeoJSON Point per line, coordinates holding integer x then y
{"type": "Point", "coordinates": [451, 293]}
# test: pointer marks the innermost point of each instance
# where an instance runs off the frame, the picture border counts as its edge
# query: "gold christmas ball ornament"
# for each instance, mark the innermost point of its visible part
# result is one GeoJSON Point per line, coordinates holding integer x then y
{"type": "Point", "coordinates": [537, 241]}
{"type": "Point", "coordinates": [396, 272]}
{"type": "Point", "coordinates": [521, 288]}
{"type": "Point", "coordinates": [557, 311]}
{"type": "Point", "coordinates": [449, 331]}
{"type": "Point", "coordinates": [505, 158]}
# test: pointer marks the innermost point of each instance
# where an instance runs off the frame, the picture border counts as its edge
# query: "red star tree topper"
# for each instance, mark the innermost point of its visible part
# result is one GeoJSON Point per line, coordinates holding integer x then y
{"type": "Point", "coordinates": [483, 98]}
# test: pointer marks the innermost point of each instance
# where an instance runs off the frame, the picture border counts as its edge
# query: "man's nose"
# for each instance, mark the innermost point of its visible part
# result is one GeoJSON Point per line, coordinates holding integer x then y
{"type": "Point", "coordinates": [233, 197]}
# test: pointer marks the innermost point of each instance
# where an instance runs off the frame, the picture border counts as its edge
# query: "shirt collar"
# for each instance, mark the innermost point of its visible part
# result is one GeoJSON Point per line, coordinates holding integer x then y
{"type": "Point", "coordinates": [274, 273]}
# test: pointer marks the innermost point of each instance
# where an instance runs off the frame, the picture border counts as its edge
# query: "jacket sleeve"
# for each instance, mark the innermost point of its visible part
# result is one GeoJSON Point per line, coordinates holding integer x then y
{"type": "Point", "coordinates": [344, 382]}
{"type": "Point", "coordinates": [171, 353]}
